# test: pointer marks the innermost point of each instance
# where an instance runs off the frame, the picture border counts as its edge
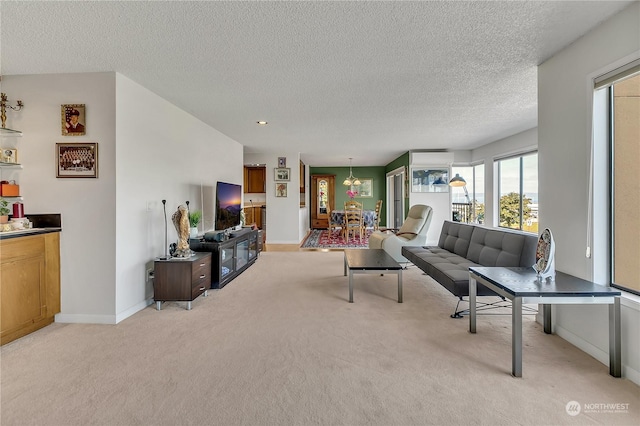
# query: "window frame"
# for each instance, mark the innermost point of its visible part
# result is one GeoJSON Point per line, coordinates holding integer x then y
{"type": "Point", "coordinates": [497, 161]}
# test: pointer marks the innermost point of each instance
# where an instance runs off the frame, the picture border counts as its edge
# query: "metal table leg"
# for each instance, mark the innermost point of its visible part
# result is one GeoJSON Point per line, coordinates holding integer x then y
{"type": "Point", "coordinates": [516, 331]}
{"type": "Point", "coordinates": [472, 304]}
{"type": "Point", "coordinates": [615, 356]}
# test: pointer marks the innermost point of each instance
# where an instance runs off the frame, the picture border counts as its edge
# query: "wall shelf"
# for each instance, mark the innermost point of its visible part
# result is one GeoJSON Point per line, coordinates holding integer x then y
{"type": "Point", "coordinates": [10, 165]}
{"type": "Point", "coordinates": [10, 132]}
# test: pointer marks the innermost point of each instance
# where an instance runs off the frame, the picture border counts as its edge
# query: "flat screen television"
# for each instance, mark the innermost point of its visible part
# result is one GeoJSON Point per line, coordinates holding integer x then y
{"type": "Point", "coordinates": [228, 205]}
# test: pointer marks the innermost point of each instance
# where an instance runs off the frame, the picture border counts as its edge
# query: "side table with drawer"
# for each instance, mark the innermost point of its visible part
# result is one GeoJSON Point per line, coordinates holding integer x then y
{"type": "Point", "coordinates": [181, 279]}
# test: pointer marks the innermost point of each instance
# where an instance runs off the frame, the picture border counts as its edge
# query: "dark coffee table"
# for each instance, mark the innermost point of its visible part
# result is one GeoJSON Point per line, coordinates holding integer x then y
{"type": "Point", "coordinates": [370, 261]}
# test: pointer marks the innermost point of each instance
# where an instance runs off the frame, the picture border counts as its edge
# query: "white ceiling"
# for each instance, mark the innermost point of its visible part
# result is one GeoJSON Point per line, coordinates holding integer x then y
{"type": "Point", "coordinates": [368, 80]}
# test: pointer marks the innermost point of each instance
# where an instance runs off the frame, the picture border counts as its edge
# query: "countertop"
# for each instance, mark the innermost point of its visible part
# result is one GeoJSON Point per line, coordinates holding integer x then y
{"type": "Point", "coordinates": [256, 204]}
{"type": "Point", "coordinates": [27, 232]}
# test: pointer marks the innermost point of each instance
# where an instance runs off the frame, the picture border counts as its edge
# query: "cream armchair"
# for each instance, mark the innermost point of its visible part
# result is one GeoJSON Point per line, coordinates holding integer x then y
{"type": "Point", "coordinates": [412, 233]}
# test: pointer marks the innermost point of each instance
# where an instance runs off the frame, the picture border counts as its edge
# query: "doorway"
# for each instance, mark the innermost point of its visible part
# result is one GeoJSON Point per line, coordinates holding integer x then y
{"type": "Point", "coordinates": [395, 197]}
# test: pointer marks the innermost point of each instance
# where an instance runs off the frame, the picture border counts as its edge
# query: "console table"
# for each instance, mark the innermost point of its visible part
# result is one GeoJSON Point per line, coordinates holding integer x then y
{"type": "Point", "coordinates": [521, 285]}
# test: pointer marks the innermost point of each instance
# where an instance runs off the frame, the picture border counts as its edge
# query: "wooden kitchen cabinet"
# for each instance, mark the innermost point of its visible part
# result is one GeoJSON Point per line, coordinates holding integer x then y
{"type": "Point", "coordinates": [254, 179]}
{"type": "Point", "coordinates": [253, 215]}
{"type": "Point", "coordinates": [29, 284]}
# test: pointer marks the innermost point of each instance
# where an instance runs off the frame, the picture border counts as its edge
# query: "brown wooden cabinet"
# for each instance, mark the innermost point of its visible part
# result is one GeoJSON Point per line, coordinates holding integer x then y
{"type": "Point", "coordinates": [254, 179]}
{"type": "Point", "coordinates": [253, 215]}
{"type": "Point", "coordinates": [181, 279]}
{"type": "Point", "coordinates": [322, 199]}
{"type": "Point", "coordinates": [29, 284]}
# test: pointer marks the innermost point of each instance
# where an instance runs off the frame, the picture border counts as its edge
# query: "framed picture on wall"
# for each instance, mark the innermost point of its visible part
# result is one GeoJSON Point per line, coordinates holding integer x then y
{"type": "Point", "coordinates": [77, 160]}
{"type": "Point", "coordinates": [282, 161]}
{"type": "Point", "coordinates": [281, 189]}
{"type": "Point", "coordinates": [429, 180]}
{"type": "Point", "coordinates": [9, 155]}
{"type": "Point", "coordinates": [73, 119]}
{"type": "Point", "coordinates": [282, 174]}
{"type": "Point", "coordinates": [365, 190]}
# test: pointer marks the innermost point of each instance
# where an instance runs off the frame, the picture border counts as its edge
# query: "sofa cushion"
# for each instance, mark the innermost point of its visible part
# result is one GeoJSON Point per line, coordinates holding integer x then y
{"type": "Point", "coordinates": [455, 237]}
{"type": "Point", "coordinates": [490, 247]}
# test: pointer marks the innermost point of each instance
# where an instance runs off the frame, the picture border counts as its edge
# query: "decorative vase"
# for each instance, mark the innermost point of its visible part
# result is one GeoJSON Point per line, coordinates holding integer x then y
{"type": "Point", "coordinates": [4, 219]}
{"type": "Point", "coordinates": [193, 232]}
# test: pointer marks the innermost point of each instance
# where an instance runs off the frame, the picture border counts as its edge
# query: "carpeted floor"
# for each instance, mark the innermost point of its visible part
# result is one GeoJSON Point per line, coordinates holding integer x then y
{"type": "Point", "coordinates": [281, 345]}
{"type": "Point", "coordinates": [321, 238]}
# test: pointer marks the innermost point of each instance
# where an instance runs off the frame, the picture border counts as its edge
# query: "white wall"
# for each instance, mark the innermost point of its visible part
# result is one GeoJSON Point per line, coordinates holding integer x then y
{"type": "Point", "coordinates": [283, 213]}
{"type": "Point", "coordinates": [564, 128]}
{"type": "Point", "coordinates": [148, 150]}
{"type": "Point", "coordinates": [162, 152]}
{"type": "Point", "coordinates": [88, 238]}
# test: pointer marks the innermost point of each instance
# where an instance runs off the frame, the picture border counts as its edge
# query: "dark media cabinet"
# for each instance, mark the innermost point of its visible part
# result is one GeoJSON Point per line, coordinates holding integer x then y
{"type": "Point", "coordinates": [230, 257]}
{"type": "Point", "coordinates": [181, 279]}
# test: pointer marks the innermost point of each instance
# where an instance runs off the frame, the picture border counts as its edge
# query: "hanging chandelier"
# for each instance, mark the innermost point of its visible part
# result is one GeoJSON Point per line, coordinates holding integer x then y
{"type": "Point", "coordinates": [351, 180]}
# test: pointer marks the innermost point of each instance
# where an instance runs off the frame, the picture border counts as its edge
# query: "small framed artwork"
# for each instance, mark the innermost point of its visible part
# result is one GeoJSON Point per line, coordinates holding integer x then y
{"type": "Point", "coordinates": [365, 189]}
{"type": "Point", "coordinates": [282, 162]}
{"type": "Point", "coordinates": [282, 174]}
{"type": "Point", "coordinates": [9, 155]}
{"type": "Point", "coordinates": [73, 119]}
{"type": "Point", "coordinates": [429, 180]}
{"type": "Point", "coordinates": [77, 160]}
{"type": "Point", "coordinates": [281, 189]}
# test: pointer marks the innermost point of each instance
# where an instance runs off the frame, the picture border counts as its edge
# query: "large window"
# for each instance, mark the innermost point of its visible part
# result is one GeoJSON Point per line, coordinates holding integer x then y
{"type": "Point", "coordinates": [467, 202]}
{"type": "Point", "coordinates": [624, 97]}
{"type": "Point", "coordinates": [518, 189]}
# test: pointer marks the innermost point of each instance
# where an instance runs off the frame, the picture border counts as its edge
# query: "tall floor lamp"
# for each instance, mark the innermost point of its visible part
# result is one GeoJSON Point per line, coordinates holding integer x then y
{"type": "Point", "coordinates": [458, 181]}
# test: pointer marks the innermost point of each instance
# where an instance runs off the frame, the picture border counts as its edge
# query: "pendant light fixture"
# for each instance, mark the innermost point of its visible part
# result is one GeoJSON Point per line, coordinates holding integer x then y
{"type": "Point", "coordinates": [351, 180]}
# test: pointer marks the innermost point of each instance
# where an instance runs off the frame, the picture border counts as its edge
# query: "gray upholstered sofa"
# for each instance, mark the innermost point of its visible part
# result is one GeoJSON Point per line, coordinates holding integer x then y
{"type": "Point", "coordinates": [461, 246]}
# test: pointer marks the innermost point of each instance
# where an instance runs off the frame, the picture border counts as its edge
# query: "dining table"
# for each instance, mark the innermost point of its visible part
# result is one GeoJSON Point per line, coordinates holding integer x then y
{"type": "Point", "coordinates": [369, 216]}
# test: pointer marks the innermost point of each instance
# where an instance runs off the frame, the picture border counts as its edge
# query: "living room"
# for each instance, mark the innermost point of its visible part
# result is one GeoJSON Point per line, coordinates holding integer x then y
{"type": "Point", "coordinates": [150, 150]}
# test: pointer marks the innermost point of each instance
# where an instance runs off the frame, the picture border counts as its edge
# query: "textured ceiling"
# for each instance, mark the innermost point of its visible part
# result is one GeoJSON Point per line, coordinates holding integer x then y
{"type": "Point", "coordinates": [368, 80]}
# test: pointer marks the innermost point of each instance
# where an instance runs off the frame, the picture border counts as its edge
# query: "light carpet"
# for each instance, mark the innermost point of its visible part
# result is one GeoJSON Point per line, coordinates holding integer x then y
{"type": "Point", "coordinates": [280, 345]}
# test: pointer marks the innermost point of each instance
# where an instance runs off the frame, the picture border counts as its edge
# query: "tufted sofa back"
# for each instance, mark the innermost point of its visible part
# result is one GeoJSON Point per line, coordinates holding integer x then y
{"type": "Point", "coordinates": [489, 247]}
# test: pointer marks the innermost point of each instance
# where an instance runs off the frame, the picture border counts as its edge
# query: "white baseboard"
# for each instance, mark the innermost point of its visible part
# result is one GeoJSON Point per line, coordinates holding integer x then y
{"type": "Point", "coordinates": [101, 319]}
{"type": "Point", "coordinates": [136, 308]}
{"type": "Point", "coordinates": [85, 319]}
{"type": "Point", "coordinates": [602, 356]}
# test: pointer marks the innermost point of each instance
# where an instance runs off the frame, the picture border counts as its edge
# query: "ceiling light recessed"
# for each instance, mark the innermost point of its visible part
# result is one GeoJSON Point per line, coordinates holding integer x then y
{"type": "Point", "coordinates": [262, 123]}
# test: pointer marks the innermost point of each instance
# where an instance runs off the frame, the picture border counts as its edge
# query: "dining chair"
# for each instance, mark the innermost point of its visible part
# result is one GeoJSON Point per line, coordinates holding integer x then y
{"type": "Point", "coordinates": [353, 219]}
{"type": "Point", "coordinates": [334, 224]}
{"type": "Point", "coordinates": [376, 223]}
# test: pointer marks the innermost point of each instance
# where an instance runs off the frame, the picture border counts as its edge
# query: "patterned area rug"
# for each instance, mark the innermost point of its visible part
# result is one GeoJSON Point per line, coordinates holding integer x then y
{"type": "Point", "coordinates": [320, 238]}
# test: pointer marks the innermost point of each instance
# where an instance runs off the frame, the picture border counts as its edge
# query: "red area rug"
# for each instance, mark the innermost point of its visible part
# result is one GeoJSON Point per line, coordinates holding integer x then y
{"type": "Point", "coordinates": [320, 238]}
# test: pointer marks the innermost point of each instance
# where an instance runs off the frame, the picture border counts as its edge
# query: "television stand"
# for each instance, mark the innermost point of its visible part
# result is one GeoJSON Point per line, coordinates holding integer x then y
{"type": "Point", "coordinates": [230, 257]}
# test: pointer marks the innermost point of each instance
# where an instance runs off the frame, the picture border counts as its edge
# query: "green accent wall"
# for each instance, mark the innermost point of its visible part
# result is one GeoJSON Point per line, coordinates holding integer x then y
{"type": "Point", "coordinates": [379, 189]}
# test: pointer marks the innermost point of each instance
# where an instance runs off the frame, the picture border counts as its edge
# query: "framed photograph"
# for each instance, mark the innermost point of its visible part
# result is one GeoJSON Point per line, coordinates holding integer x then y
{"type": "Point", "coordinates": [365, 190]}
{"type": "Point", "coordinates": [77, 160]}
{"type": "Point", "coordinates": [73, 119]}
{"type": "Point", "coordinates": [282, 174]}
{"type": "Point", "coordinates": [282, 162]}
{"type": "Point", "coordinates": [281, 189]}
{"type": "Point", "coordinates": [9, 155]}
{"type": "Point", "coordinates": [429, 180]}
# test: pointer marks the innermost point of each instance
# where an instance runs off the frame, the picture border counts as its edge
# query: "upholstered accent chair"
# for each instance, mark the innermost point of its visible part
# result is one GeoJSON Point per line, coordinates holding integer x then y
{"type": "Point", "coordinates": [413, 232]}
